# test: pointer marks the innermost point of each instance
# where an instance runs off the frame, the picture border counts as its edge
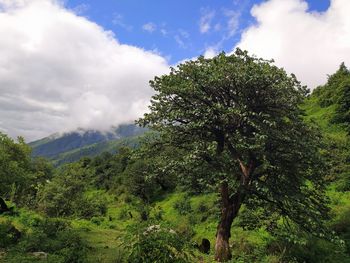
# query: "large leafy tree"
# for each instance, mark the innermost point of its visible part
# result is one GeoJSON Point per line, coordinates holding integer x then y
{"type": "Point", "coordinates": [20, 175]}
{"type": "Point", "coordinates": [238, 116]}
{"type": "Point", "coordinates": [14, 165]}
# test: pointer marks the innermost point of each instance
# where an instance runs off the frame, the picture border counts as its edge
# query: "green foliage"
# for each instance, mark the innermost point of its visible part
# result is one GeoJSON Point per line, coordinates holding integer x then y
{"type": "Point", "coordinates": [20, 175]}
{"type": "Point", "coordinates": [336, 92]}
{"type": "Point", "coordinates": [8, 235]}
{"type": "Point", "coordinates": [100, 197]}
{"type": "Point", "coordinates": [145, 176]}
{"type": "Point", "coordinates": [316, 251]}
{"type": "Point", "coordinates": [137, 181]}
{"type": "Point", "coordinates": [329, 93]}
{"type": "Point", "coordinates": [108, 168]}
{"type": "Point", "coordinates": [343, 108]}
{"type": "Point", "coordinates": [92, 204]}
{"type": "Point", "coordinates": [53, 238]}
{"type": "Point", "coordinates": [183, 206]}
{"type": "Point", "coordinates": [66, 194]}
{"type": "Point", "coordinates": [239, 118]}
{"type": "Point", "coordinates": [14, 164]}
{"type": "Point", "coordinates": [155, 243]}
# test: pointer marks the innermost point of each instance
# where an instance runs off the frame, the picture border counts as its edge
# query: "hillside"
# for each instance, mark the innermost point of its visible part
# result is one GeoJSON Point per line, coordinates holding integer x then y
{"type": "Point", "coordinates": [70, 147]}
{"type": "Point", "coordinates": [133, 204]}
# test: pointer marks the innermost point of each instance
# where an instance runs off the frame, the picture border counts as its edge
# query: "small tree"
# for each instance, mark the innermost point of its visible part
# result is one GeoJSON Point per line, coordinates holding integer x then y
{"type": "Point", "coordinates": [240, 115]}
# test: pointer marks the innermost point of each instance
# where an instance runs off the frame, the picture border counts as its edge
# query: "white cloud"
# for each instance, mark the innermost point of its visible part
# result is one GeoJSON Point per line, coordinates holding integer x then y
{"type": "Point", "coordinates": [180, 42]}
{"type": "Point", "coordinates": [182, 39]}
{"type": "Point", "coordinates": [232, 22]}
{"type": "Point", "coordinates": [205, 20]}
{"type": "Point", "coordinates": [81, 9]}
{"type": "Point", "coordinates": [210, 52]}
{"type": "Point", "coordinates": [308, 44]}
{"type": "Point", "coordinates": [118, 20]}
{"type": "Point", "coordinates": [149, 27]}
{"type": "Point", "coordinates": [59, 71]}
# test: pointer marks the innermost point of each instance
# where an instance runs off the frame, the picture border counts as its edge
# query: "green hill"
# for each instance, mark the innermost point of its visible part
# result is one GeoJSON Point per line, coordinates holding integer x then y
{"type": "Point", "coordinates": [99, 209]}
{"type": "Point", "coordinates": [70, 147]}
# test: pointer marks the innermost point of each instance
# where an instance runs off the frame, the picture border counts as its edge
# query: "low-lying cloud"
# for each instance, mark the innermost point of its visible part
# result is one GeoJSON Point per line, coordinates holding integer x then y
{"type": "Point", "coordinates": [308, 44]}
{"type": "Point", "coordinates": [60, 71]}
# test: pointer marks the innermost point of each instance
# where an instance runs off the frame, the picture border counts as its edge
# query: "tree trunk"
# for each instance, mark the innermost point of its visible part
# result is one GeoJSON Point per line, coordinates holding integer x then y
{"type": "Point", "coordinates": [222, 247]}
{"type": "Point", "coordinates": [230, 207]}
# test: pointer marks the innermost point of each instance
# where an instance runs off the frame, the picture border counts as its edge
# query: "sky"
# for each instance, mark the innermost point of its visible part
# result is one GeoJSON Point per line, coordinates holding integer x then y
{"type": "Point", "coordinates": [86, 63]}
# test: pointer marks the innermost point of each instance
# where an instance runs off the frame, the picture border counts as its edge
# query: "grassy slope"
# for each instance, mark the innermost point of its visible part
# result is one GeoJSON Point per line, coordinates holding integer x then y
{"type": "Point", "coordinates": [323, 118]}
{"type": "Point", "coordinates": [103, 234]}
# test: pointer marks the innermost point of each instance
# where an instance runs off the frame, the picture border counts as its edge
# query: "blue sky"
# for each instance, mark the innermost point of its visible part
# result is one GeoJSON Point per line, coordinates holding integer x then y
{"type": "Point", "coordinates": [172, 28]}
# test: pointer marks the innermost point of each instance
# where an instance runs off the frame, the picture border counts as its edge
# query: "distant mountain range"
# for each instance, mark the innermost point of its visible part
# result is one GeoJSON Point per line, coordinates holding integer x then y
{"type": "Point", "coordinates": [71, 146]}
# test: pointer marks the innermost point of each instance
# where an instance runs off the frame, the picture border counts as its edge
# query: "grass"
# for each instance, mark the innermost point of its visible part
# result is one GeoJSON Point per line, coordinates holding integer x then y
{"type": "Point", "coordinates": [323, 118]}
{"type": "Point", "coordinates": [104, 244]}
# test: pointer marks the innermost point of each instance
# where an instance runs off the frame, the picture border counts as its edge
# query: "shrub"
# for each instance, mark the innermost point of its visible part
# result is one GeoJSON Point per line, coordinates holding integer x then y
{"type": "Point", "coordinates": [91, 206]}
{"type": "Point", "coordinates": [55, 237]}
{"type": "Point", "coordinates": [156, 243]}
{"type": "Point", "coordinates": [9, 235]}
{"type": "Point", "coordinates": [97, 220]}
{"type": "Point", "coordinates": [184, 229]}
{"type": "Point", "coordinates": [183, 206]}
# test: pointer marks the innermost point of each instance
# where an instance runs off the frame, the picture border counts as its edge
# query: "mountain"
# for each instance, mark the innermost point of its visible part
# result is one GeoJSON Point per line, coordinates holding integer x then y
{"type": "Point", "coordinates": [71, 146]}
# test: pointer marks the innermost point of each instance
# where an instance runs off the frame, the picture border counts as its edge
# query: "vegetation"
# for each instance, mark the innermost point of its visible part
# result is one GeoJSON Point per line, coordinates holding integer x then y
{"type": "Point", "coordinates": [240, 115]}
{"type": "Point", "coordinates": [284, 187]}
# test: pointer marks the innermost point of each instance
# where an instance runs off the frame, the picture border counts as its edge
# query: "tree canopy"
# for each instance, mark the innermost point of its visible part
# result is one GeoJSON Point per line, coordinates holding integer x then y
{"type": "Point", "coordinates": [241, 115]}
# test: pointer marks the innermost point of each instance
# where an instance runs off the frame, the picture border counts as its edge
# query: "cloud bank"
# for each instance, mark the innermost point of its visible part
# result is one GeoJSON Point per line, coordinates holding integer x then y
{"type": "Point", "coordinates": [308, 44]}
{"type": "Point", "coordinates": [60, 71]}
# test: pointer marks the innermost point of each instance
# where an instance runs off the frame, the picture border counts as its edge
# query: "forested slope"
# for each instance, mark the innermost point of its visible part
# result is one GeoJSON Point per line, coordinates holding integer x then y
{"type": "Point", "coordinates": [71, 146]}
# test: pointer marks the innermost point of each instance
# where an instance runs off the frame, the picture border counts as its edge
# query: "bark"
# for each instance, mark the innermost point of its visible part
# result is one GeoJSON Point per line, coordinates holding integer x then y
{"type": "Point", "coordinates": [229, 211]}
{"type": "Point", "coordinates": [222, 246]}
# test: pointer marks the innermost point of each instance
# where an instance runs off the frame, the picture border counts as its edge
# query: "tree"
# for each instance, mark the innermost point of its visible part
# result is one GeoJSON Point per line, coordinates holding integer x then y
{"type": "Point", "coordinates": [331, 92]}
{"type": "Point", "coordinates": [15, 167]}
{"type": "Point", "coordinates": [241, 115]}
{"type": "Point", "coordinates": [144, 175]}
{"type": "Point", "coordinates": [20, 175]}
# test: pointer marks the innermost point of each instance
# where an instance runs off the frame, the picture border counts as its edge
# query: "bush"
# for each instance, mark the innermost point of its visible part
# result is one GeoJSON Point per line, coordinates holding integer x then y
{"type": "Point", "coordinates": [183, 206]}
{"type": "Point", "coordinates": [9, 235]}
{"type": "Point", "coordinates": [156, 243]}
{"type": "Point", "coordinates": [91, 206]}
{"type": "Point", "coordinates": [97, 220]}
{"type": "Point", "coordinates": [55, 237]}
{"type": "Point", "coordinates": [67, 195]}
{"type": "Point", "coordinates": [184, 229]}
